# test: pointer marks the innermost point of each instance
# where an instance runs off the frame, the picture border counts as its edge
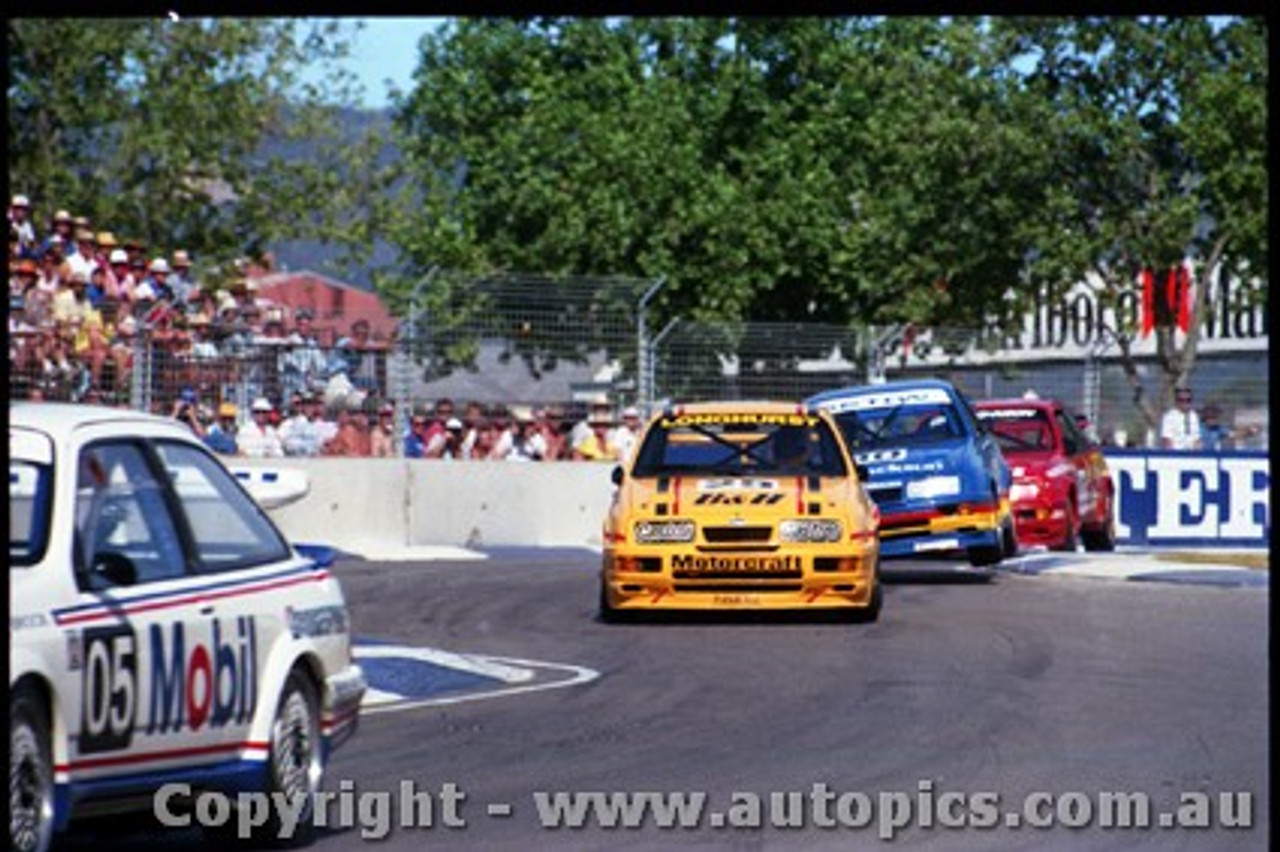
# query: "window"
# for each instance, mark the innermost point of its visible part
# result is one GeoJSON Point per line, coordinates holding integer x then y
{"type": "Point", "coordinates": [1072, 439]}
{"type": "Point", "coordinates": [230, 531]}
{"type": "Point", "coordinates": [730, 448]}
{"type": "Point", "coordinates": [29, 505]}
{"type": "Point", "coordinates": [122, 515]}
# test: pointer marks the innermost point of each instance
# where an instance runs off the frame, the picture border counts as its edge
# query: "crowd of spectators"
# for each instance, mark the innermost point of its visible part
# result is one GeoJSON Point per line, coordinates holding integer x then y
{"type": "Point", "coordinates": [251, 377]}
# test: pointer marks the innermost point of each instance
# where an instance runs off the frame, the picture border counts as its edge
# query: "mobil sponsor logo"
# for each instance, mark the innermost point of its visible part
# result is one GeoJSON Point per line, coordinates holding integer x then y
{"type": "Point", "coordinates": [194, 683]}
{"type": "Point", "coordinates": [1171, 497]}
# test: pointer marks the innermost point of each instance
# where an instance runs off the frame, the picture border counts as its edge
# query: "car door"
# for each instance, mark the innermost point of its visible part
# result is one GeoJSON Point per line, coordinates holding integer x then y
{"type": "Point", "coordinates": [988, 448]}
{"type": "Point", "coordinates": [1076, 446]}
{"type": "Point", "coordinates": [247, 576]}
{"type": "Point", "coordinates": [133, 603]}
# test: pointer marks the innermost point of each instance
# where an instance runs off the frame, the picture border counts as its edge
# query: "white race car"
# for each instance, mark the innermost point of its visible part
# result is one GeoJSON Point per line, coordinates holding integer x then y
{"type": "Point", "coordinates": [161, 629]}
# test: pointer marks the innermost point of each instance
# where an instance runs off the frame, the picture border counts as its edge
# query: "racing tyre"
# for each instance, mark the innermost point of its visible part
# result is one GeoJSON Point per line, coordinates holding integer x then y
{"type": "Point", "coordinates": [609, 614]}
{"type": "Point", "coordinates": [30, 773]}
{"type": "Point", "coordinates": [1010, 539]}
{"type": "Point", "coordinates": [1102, 539]}
{"type": "Point", "coordinates": [872, 613]}
{"type": "Point", "coordinates": [294, 769]}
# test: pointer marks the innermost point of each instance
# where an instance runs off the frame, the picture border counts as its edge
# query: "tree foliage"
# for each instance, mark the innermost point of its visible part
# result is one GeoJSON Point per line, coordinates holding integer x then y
{"type": "Point", "coordinates": [819, 169]}
{"type": "Point", "coordinates": [1158, 132]}
{"type": "Point", "coordinates": [156, 128]}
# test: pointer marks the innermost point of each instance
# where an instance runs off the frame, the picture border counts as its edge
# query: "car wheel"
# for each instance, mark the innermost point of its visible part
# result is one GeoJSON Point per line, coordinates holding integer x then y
{"type": "Point", "coordinates": [1102, 539]}
{"type": "Point", "coordinates": [1010, 539]}
{"type": "Point", "coordinates": [871, 613]}
{"type": "Point", "coordinates": [607, 612]}
{"type": "Point", "coordinates": [30, 773]}
{"type": "Point", "coordinates": [294, 768]}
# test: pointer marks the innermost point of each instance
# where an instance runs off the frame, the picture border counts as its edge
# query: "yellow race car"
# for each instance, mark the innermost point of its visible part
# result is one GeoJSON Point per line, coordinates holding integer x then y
{"type": "Point", "coordinates": [740, 506]}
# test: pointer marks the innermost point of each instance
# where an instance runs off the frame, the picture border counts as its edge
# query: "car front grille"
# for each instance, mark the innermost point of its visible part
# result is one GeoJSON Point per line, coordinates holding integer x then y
{"type": "Point", "coordinates": [737, 535]}
{"type": "Point", "coordinates": [885, 495]}
{"type": "Point", "coordinates": [777, 588]}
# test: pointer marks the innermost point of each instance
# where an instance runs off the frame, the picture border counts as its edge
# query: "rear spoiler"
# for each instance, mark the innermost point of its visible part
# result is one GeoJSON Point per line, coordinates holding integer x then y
{"type": "Point", "coordinates": [273, 487]}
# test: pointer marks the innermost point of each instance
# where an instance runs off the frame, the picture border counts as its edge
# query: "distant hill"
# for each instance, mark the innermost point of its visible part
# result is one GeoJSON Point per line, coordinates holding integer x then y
{"type": "Point", "coordinates": [294, 255]}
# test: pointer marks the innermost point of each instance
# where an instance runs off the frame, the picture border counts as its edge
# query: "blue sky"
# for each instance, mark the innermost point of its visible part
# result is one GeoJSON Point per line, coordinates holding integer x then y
{"type": "Point", "coordinates": [387, 48]}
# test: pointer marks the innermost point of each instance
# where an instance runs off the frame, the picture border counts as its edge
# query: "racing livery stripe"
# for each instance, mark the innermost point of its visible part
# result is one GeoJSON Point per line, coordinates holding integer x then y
{"type": "Point", "coordinates": [675, 508]}
{"type": "Point", "coordinates": [799, 495]}
{"type": "Point", "coordinates": [117, 609]}
{"type": "Point", "coordinates": [169, 754]}
{"type": "Point", "coordinates": [221, 584]}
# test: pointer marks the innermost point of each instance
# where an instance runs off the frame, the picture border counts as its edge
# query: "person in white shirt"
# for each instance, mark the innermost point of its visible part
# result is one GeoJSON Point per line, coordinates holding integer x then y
{"type": "Point", "coordinates": [299, 434]}
{"type": "Point", "coordinates": [1180, 426]}
{"type": "Point", "coordinates": [624, 435]}
{"type": "Point", "coordinates": [83, 261]}
{"type": "Point", "coordinates": [258, 438]}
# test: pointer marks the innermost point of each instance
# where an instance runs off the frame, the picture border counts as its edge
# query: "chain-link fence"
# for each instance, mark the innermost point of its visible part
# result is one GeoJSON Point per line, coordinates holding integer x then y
{"type": "Point", "coordinates": [545, 341]}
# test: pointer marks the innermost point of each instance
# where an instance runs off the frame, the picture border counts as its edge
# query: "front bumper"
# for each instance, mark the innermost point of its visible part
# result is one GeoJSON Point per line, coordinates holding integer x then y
{"type": "Point", "coordinates": [340, 715]}
{"type": "Point", "coordinates": [920, 532]}
{"type": "Point", "coordinates": [645, 578]}
{"type": "Point", "coordinates": [1040, 522]}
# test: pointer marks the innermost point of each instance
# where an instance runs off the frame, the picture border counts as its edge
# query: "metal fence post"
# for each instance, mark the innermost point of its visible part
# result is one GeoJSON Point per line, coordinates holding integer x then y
{"type": "Point", "coordinates": [408, 365]}
{"type": "Point", "coordinates": [653, 356]}
{"type": "Point", "coordinates": [644, 389]}
{"type": "Point", "coordinates": [140, 375]}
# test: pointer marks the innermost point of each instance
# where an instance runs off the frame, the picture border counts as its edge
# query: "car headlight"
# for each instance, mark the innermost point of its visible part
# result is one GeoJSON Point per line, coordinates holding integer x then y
{"type": "Point", "coordinates": [933, 486]}
{"type": "Point", "coordinates": [809, 530]}
{"type": "Point", "coordinates": [663, 532]}
{"type": "Point", "coordinates": [1025, 491]}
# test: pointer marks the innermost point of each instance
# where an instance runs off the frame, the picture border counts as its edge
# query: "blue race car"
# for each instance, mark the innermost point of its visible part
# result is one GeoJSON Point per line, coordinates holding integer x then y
{"type": "Point", "coordinates": [933, 469]}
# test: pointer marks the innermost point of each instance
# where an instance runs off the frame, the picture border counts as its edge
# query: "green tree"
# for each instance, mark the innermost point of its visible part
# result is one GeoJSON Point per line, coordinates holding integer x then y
{"type": "Point", "coordinates": [1158, 131]}
{"type": "Point", "coordinates": [809, 169]}
{"type": "Point", "coordinates": [156, 128]}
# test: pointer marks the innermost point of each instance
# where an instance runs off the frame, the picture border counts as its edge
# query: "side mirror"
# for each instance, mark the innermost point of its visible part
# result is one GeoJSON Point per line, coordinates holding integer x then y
{"type": "Point", "coordinates": [861, 470]}
{"type": "Point", "coordinates": [617, 476]}
{"type": "Point", "coordinates": [115, 568]}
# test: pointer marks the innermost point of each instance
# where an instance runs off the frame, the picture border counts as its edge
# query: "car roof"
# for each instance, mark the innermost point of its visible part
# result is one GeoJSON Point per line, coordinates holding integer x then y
{"type": "Point", "coordinates": [904, 385]}
{"type": "Point", "coordinates": [1019, 402]}
{"type": "Point", "coordinates": [60, 420]}
{"type": "Point", "coordinates": [762, 406]}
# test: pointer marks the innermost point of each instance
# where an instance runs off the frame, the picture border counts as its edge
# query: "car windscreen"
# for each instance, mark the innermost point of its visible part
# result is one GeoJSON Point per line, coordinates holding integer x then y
{"type": "Point", "coordinates": [746, 443]}
{"type": "Point", "coordinates": [1019, 430]}
{"type": "Point", "coordinates": [30, 487]}
{"type": "Point", "coordinates": [901, 423]}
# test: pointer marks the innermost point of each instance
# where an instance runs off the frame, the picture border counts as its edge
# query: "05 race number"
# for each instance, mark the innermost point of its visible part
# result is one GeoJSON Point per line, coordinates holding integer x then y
{"type": "Point", "coordinates": [110, 689]}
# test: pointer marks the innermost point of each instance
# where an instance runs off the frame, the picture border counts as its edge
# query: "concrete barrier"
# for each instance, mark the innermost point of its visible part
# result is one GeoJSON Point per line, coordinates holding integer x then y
{"type": "Point", "coordinates": [372, 505]}
{"type": "Point", "coordinates": [360, 505]}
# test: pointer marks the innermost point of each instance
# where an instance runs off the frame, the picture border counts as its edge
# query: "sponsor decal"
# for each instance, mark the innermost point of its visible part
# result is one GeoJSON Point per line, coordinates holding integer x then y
{"type": "Point", "coordinates": [717, 499]}
{"type": "Point", "coordinates": [738, 418]}
{"type": "Point", "coordinates": [1008, 413]}
{"type": "Point", "coordinates": [697, 563]}
{"type": "Point", "coordinates": [870, 457]}
{"type": "Point", "coordinates": [319, 621]}
{"type": "Point", "coordinates": [745, 483]}
{"type": "Point", "coordinates": [895, 469]}
{"type": "Point", "coordinates": [27, 622]}
{"type": "Point", "coordinates": [937, 544]}
{"type": "Point", "coordinates": [1170, 497]}
{"type": "Point", "coordinates": [212, 685]}
{"type": "Point", "coordinates": [888, 399]}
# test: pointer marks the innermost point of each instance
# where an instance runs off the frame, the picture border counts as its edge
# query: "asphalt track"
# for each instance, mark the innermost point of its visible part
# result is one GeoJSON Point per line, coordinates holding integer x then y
{"type": "Point", "coordinates": [1023, 684]}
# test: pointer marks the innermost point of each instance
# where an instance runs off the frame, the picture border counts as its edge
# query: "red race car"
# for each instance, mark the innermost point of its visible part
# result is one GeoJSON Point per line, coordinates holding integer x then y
{"type": "Point", "coordinates": [1062, 491]}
